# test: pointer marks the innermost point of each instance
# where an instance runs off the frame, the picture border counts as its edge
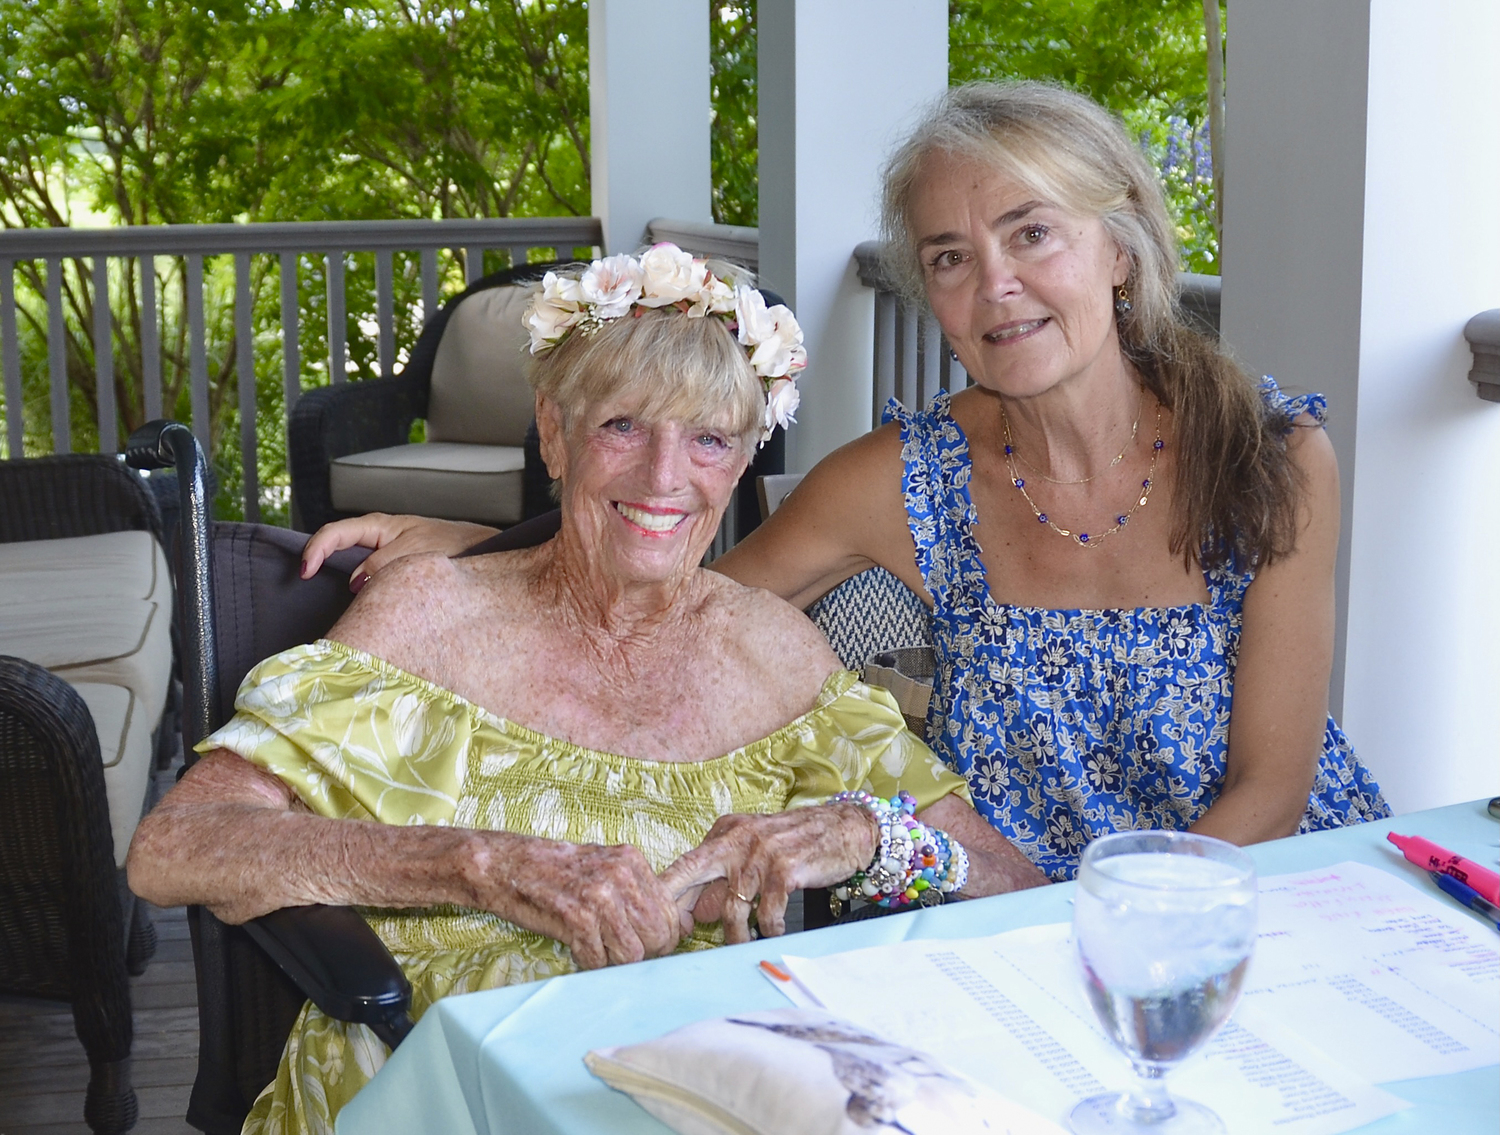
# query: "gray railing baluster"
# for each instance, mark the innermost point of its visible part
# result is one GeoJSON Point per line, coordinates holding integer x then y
{"type": "Point", "coordinates": [908, 341]}
{"type": "Point", "coordinates": [338, 352]}
{"type": "Point", "coordinates": [291, 322]}
{"type": "Point", "coordinates": [885, 353]}
{"type": "Point", "coordinates": [57, 360]}
{"type": "Point", "coordinates": [104, 360]}
{"type": "Point", "coordinates": [150, 341]}
{"type": "Point", "coordinates": [160, 368]}
{"type": "Point", "coordinates": [385, 311]}
{"type": "Point", "coordinates": [429, 283]}
{"type": "Point", "coordinates": [930, 375]}
{"type": "Point", "coordinates": [10, 363]}
{"type": "Point", "coordinates": [197, 352]}
{"type": "Point", "coordinates": [244, 375]}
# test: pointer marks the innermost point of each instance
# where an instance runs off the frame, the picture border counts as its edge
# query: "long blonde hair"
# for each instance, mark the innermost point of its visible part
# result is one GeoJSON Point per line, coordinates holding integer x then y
{"type": "Point", "coordinates": [1236, 488]}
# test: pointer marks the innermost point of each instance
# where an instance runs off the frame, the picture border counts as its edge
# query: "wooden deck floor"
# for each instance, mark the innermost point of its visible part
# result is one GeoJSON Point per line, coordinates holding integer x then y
{"type": "Point", "coordinates": [43, 1069]}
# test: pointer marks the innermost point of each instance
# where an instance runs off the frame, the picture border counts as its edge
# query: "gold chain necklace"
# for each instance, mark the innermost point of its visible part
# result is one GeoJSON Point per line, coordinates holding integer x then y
{"type": "Point", "coordinates": [1134, 429]}
{"type": "Point", "coordinates": [1083, 538]}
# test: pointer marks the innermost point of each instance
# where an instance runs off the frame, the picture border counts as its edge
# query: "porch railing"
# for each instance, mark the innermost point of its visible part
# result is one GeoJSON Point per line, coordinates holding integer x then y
{"type": "Point", "coordinates": [333, 241]}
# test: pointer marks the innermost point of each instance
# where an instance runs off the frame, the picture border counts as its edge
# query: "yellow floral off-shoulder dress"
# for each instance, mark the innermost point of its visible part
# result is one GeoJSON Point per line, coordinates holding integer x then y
{"type": "Point", "coordinates": [357, 738]}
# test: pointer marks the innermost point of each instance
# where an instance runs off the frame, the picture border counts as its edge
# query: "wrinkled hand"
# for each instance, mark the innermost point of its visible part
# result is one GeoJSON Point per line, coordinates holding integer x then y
{"type": "Point", "coordinates": [743, 857]}
{"type": "Point", "coordinates": [604, 903]}
{"type": "Point", "coordinates": [392, 537]}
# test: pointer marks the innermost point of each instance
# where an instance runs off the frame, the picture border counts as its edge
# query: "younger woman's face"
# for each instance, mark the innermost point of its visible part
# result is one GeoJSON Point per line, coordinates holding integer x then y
{"type": "Point", "coordinates": [1023, 289]}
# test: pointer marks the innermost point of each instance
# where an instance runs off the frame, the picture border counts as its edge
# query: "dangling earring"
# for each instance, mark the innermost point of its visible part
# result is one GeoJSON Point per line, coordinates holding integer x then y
{"type": "Point", "coordinates": [1123, 305]}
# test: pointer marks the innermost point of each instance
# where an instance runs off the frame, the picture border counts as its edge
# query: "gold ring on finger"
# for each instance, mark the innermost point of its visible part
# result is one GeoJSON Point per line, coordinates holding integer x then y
{"type": "Point", "coordinates": [744, 899]}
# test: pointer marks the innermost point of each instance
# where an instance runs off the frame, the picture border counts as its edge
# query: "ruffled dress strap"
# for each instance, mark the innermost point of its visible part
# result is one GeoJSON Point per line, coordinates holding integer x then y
{"type": "Point", "coordinates": [1294, 405]}
{"type": "Point", "coordinates": [935, 476]}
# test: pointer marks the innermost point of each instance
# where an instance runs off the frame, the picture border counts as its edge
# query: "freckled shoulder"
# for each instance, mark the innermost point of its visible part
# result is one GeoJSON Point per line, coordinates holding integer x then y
{"type": "Point", "coordinates": [408, 610]}
{"type": "Point", "coordinates": [779, 647]}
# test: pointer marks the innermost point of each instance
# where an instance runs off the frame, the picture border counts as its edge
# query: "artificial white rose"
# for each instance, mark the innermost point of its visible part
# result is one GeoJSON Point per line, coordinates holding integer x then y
{"type": "Point", "coordinates": [550, 314]}
{"type": "Point", "coordinates": [755, 323]}
{"type": "Point", "coordinates": [611, 285]}
{"type": "Point", "coordinates": [670, 275]}
{"type": "Point", "coordinates": [781, 404]}
{"type": "Point", "coordinates": [779, 352]}
{"type": "Point", "coordinates": [715, 296]}
{"type": "Point", "coordinates": [561, 290]}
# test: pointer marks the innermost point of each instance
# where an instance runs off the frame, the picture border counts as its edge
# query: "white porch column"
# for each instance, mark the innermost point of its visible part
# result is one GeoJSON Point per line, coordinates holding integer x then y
{"type": "Point", "coordinates": [1361, 232]}
{"type": "Point", "coordinates": [648, 115]}
{"type": "Point", "coordinates": [838, 81]}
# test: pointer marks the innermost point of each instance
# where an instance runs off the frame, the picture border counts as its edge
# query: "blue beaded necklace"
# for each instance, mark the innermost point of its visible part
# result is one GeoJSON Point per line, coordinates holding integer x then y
{"type": "Point", "coordinates": [1083, 538]}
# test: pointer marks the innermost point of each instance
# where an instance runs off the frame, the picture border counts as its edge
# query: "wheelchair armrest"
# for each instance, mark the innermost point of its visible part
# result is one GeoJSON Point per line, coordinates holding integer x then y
{"type": "Point", "coordinates": [342, 966]}
{"type": "Point", "coordinates": [335, 421]}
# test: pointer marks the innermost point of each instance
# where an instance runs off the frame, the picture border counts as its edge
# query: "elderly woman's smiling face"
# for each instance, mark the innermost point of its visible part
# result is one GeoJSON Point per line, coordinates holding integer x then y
{"type": "Point", "coordinates": [646, 496]}
{"type": "Point", "coordinates": [1022, 288]}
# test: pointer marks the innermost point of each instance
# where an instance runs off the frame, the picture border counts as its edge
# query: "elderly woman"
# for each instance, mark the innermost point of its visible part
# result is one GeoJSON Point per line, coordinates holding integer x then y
{"type": "Point", "coordinates": [1128, 548]}
{"type": "Point", "coordinates": [497, 755]}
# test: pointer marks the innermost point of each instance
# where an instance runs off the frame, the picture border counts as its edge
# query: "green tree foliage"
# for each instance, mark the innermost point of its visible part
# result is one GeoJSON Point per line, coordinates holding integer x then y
{"type": "Point", "coordinates": [1144, 59]}
{"type": "Point", "coordinates": [173, 112]}
{"type": "Point", "coordinates": [733, 137]}
{"type": "Point", "coordinates": [166, 111]}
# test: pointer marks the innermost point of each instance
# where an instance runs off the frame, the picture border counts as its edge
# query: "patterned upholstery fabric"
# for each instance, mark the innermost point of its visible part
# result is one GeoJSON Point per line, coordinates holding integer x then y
{"type": "Point", "coordinates": [868, 613]}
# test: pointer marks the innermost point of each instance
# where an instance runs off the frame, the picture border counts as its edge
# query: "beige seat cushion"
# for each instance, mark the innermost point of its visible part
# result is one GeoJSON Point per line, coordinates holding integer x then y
{"type": "Point", "coordinates": [479, 390]}
{"type": "Point", "coordinates": [446, 479]}
{"type": "Point", "coordinates": [126, 564]}
{"type": "Point", "coordinates": [117, 642]}
{"type": "Point", "coordinates": [125, 748]}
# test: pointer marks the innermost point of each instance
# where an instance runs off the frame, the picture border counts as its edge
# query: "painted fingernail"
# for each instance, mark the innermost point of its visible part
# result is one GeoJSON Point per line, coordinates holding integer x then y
{"type": "Point", "coordinates": [357, 581]}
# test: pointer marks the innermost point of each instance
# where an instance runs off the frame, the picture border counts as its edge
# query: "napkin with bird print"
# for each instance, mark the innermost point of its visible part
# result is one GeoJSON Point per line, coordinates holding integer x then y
{"type": "Point", "coordinates": [802, 1072]}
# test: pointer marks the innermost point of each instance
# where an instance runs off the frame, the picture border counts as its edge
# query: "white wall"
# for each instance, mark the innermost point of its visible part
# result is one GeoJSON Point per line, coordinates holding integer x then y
{"type": "Point", "coordinates": [1362, 229]}
{"type": "Point", "coordinates": [1422, 681]}
{"type": "Point", "coordinates": [839, 79]}
{"type": "Point", "coordinates": [648, 115]}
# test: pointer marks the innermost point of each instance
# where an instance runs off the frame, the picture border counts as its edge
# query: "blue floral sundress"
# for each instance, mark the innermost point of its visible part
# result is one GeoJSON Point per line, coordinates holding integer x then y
{"type": "Point", "coordinates": [1071, 724]}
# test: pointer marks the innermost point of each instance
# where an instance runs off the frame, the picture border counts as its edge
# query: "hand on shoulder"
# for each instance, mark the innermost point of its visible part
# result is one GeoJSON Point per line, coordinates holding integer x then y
{"type": "Point", "coordinates": [392, 537]}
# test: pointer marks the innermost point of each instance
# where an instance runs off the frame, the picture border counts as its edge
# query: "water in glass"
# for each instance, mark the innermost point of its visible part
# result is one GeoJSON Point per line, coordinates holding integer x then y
{"type": "Point", "coordinates": [1164, 925]}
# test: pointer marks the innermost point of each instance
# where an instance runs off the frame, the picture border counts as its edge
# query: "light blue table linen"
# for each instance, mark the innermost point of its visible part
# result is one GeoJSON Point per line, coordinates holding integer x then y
{"type": "Point", "coordinates": [511, 1060]}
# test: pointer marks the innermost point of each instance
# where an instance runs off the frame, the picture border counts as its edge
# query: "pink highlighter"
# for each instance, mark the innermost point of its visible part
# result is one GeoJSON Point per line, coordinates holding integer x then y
{"type": "Point", "coordinates": [1430, 857]}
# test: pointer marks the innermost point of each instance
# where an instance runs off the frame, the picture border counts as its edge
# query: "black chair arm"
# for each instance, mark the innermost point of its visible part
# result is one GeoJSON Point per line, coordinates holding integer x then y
{"type": "Point", "coordinates": [341, 964]}
{"type": "Point", "coordinates": [335, 421]}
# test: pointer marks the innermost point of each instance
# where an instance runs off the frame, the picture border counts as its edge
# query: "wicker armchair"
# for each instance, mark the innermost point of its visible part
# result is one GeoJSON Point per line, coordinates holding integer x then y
{"type": "Point", "coordinates": [69, 928]}
{"type": "Point", "coordinates": [348, 443]}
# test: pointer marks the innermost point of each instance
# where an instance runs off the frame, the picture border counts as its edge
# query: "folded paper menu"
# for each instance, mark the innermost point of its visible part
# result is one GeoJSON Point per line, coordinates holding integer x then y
{"type": "Point", "coordinates": [802, 1072]}
{"type": "Point", "coordinates": [1358, 978]}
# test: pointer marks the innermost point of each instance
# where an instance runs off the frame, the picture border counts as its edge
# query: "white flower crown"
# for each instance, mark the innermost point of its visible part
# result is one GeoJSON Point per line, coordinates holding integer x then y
{"type": "Point", "coordinates": [666, 276]}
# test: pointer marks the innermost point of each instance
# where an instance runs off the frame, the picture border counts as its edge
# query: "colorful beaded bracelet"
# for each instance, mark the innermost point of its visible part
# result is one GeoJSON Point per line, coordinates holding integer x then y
{"type": "Point", "coordinates": [910, 858]}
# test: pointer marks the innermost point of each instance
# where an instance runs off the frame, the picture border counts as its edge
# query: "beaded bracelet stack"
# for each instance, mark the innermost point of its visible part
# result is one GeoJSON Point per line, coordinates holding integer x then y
{"type": "Point", "coordinates": [911, 859]}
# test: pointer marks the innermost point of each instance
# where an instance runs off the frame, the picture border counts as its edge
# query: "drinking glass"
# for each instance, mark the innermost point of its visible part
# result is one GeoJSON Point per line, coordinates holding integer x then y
{"type": "Point", "coordinates": [1164, 924]}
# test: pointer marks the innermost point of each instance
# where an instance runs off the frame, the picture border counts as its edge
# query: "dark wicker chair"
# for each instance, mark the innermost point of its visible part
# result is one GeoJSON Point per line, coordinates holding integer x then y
{"type": "Point", "coordinates": [356, 417]}
{"type": "Point", "coordinates": [69, 928]}
{"type": "Point", "coordinates": [242, 601]}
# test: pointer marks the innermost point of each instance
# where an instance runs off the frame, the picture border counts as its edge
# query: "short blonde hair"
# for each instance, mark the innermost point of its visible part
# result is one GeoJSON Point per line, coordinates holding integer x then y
{"type": "Point", "coordinates": [1066, 149]}
{"type": "Point", "coordinates": [662, 362]}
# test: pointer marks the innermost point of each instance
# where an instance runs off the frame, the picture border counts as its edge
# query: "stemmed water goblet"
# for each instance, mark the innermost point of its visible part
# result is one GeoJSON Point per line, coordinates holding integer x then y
{"type": "Point", "coordinates": [1164, 924]}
